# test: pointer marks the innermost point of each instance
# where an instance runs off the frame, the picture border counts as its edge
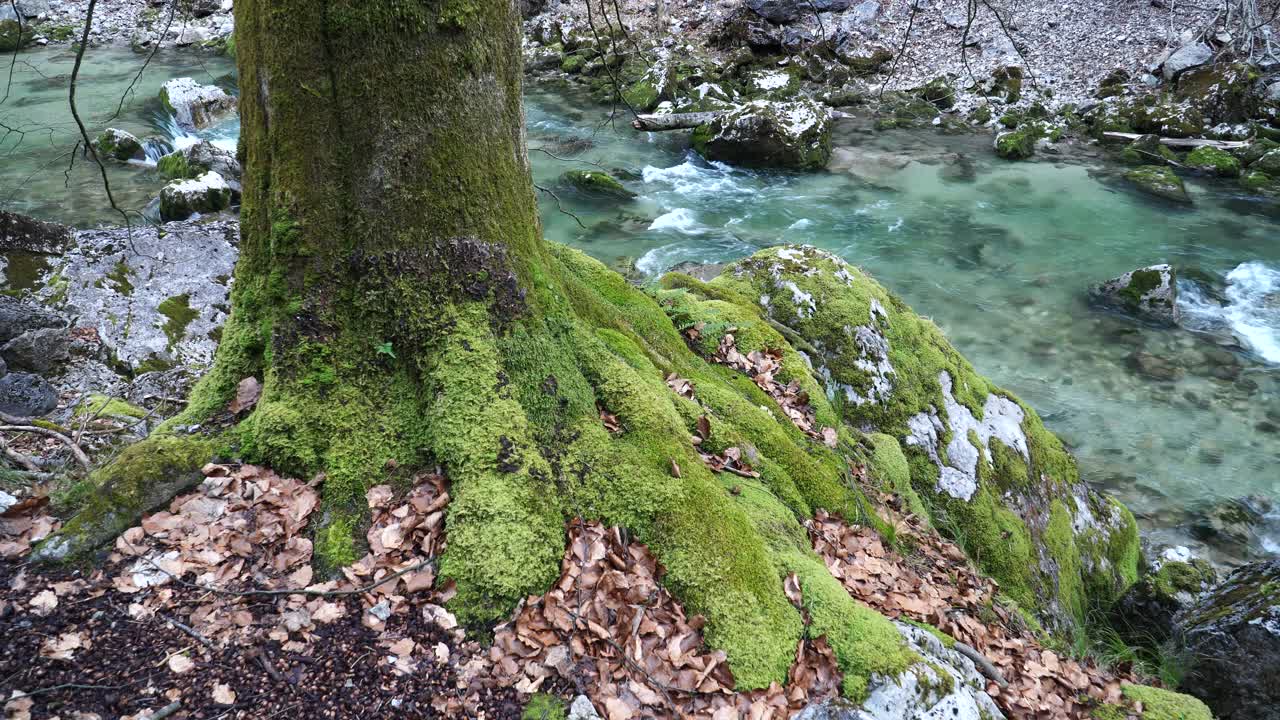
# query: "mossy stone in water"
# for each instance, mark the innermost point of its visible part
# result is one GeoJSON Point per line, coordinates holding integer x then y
{"type": "Point", "coordinates": [1160, 182]}
{"type": "Point", "coordinates": [596, 183]}
{"type": "Point", "coordinates": [1260, 182]}
{"type": "Point", "coordinates": [1213, 160]}
{"type": "Point", "coordinates": [1251, 153]}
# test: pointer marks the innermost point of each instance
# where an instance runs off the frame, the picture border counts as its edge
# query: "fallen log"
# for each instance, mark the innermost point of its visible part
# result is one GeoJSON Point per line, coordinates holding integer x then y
{"type": "Point", "coordinates": [1180, 142]}
{"type": "Point", "coordinates": [687, 121]}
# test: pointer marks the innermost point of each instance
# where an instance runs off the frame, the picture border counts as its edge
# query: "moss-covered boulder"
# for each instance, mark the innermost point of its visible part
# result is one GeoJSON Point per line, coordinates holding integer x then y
{"type": "Point", "coordinates": [1223, 92]}
{"type": "Point", "coordinates": [1253, 151]}
{"type": "Point", "coordinates": [1021, 143]}
{"type": "Point", "coordinates": [939, 93]}
{"type": "Point", "coordinates": [181, 199]}
{"type": "Point", "coordinates": [119, 145]}
{"type": "Point", "coordinates": [1213, 161]}
{"type": "Point", "coordinates": [1260, 183]}
{"type": "Point", "coordinates": [772, 84]}
{"type": "Point", "coordinates": [1268, 163]}
{"type": "Point", "coordinates": [14, 35]}
{"type": "Point", "coordinates": [1233, 633]}
{"type": "Point", "coordinates": [764, 134]}
{"type": "Point", "coordinates": [1147, 150]}
{"type": "Point", "coordinates": [1149, 293]}
{"type": "Point", "coordinates": [196, 160]}
{"type": "Point", "coordinates": [1145, 614]}
{"type": "Point", "coordinates": [1006, 82]}
{"type": "Point", "coordinates": [1159, 182]}
{"type": "Point", "coordinates": [981, 461]}
{"type": "Point", "coordinates": [1152, 703]}
{"type": "Point", "coordinates": [596, 184]}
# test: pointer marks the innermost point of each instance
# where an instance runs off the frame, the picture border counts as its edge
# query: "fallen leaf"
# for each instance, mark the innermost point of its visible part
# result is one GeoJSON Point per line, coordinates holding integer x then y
{"type": "Point", "coordinates": [223, 694]}
{"type": "Point", "coordinates": [62, 647]}
{"type": "Point", "coordinates": [179, 664]}
{"type": "Point", "coordinates": [247, 394]}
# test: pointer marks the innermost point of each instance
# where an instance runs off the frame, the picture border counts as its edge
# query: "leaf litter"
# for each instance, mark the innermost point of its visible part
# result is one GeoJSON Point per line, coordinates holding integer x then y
{"type": "Point", "coordinates": [213, 603]}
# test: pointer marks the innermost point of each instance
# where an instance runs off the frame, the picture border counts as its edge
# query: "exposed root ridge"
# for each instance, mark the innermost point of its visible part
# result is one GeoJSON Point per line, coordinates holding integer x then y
{"type": "Point", "coordinates": [936, 585]}
{"type": "Point", "coordinates": [609, 627]}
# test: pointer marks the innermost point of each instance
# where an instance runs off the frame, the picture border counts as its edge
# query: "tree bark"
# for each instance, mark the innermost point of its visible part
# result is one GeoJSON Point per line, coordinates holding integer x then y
{"type": "Point", "coordinates": [397, 303]}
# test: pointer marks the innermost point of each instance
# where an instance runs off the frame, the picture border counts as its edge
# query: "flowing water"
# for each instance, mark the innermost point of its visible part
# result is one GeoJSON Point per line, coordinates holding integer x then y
{"type": "Point", "coordinates": [998, 254]}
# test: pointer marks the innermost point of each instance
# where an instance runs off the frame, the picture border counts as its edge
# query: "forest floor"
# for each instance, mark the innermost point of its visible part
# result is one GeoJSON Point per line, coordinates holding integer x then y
{"type": "Point", "coordinates": [211, 609]}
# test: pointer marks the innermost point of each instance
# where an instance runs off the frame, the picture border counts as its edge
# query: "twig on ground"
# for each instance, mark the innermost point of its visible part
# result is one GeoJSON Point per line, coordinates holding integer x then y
{"type": "Point", "coordinates": [25, 462]}
{"type": "Point", "coordinates": [76, 452]}
{"type": "Point", "coordinates": [985, 666]}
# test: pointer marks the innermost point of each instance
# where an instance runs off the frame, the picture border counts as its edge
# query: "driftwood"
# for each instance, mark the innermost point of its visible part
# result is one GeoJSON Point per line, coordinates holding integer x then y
{"type": "Point", "coordinates": [1180, 142]}
{"type": "Point", "coordinates": [686, 121]}
{"type": "Point", "coordinates": [985, 666]}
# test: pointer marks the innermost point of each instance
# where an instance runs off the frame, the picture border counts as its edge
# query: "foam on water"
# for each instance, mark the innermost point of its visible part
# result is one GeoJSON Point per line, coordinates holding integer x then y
{"type": "Point", "coordinates": [681, 220]}
{"type": "Point", "coordinates": [1251, 310]}
{"type": "Point", "coordinates": [695, 177]}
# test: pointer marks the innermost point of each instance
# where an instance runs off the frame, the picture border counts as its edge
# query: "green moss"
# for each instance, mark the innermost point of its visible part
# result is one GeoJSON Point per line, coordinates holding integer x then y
{"type": "Point", "coordinates": [596, 183]}
{"type": "Point", "coordinates": [335, 543]}
{"type": "Point", "coordinates": [180, 314]}
{"type": "Point", "coordinates": [1059, 540]}
{"type": "Point", "coordinates": [1259, 182]}
{"type": "Point", "coordinates": [117, 279]}
{"type": "Point", "coordinates": [1176, 577]}
{"type": "Point", "coordinates": [1158, 704]}
{"type": "Point", "coordinates": [891, 467]}
{"type": "Point", "coordinates": [573, 63]}
{"type": "Point", "coordinates": [174, 166]}
{"type": "Point", "coordinates": [1109, 712]}
{"type": "Point", "coordinates": [641, 95]}
{"type": "Point", "coordinates": [103, 406]}
{"type": "Point", "coordinates": [144, 476]}
{"type": "Point", "coordinates": [1212, 160]}
{"type": "Point", "coordinates": [981, 115]}
{"type": "Point", "coordinates": [1159, 181]}
{"type": "Point", "coordinates": [544, 707]}
{"type": "Point", "coordinates": [946, 640]}
{"type": "Point", "coordinates": [1019, 144]}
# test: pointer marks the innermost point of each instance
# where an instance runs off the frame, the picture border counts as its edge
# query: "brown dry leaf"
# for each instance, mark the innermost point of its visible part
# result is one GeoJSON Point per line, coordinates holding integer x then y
{"type": "Point", "coordinates": [179, 664]}
{"type": "Point", "coordinates": [64, 646]}
{"type": "Point", "coordinates": [43, 602]}
{"type": "Point", "coordinates": [247, 394]}
{"type": "Point", "coordinates": [223, 694]}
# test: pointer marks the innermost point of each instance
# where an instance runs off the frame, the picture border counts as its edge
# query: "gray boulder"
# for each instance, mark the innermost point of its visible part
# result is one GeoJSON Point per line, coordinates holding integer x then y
{"type": "Point", "coordinates": [181, 199]}
{"type": "Point", "coordinates": [117, 144]}
{"type": "Point", "coordinates": [945, 684]}
{"type": "Point", "coordinates": [19, 316]}
{"type": "Point", "coordinates": [1185, 58]}
{"type": "Point", "coordinates": [196, 160]}
{"type": "Point", "coordinates": [32, 9]}
{"type": "Point", "coordinates": [1233, 633]}
{"type": "Point", "coordinates": [792, 135]}
{"type": "Point", "coordinates": [1149, 293]}
{"type": "Point", "coordinates": [26, 395]}
{"type": "Point", "coordinates": [19, 232]}
{"type": "Point", "coordinates": [788, 11]}
{"type": "Point", "coordinates": [1173, 581]}
{"type": "Point", "coordinates": [194, 105]}
{"type": "Point", "coordinates": [38, 350]}
{"type": "Point", "coordinates": [155, 297]}
{"type": "Point", "coordinates": [582, 709]}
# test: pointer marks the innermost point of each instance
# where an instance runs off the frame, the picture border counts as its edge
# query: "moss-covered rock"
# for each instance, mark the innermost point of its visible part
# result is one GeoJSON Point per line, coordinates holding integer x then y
{"type": "Point", "coordinates": [1233, 634]}
{"type": "Point", "coordinates": [982, 463]}
{"type": "Point", "coordinates": [1160, 182]}
{"type": "Point", "coordinates": [1147, 150]}
{"type": "Point", "coordinates": [119, 145]}
{"type": "Point", "coordinates": [1214, 161]}
{"type": "Point", "coordinates": [1268, 163]}
{"type": "Point", "coordinates": [181, 199]}
{"type": "Point", "coordinates": [1260, 183]}
{"type": "Point", "coordinates": [1020, 144]}
{"type": "Point", "coordinates": [1007, 83]}
{"type": "Point", "coordinates": [1251, 152]}
{"type": "Point", "coordinates": [1149, 293]}
{"type": "Point", "coordinates": [596, 183]}
{"type": "Point", "coordinates": [14, 35]}
{"type": "Point", "coordinates": [1144, 616]}
{"type": "Point", "coordinates": [764, 134]}
{"type": "Point", "coordinates": [939, 93]}
{"type": "Point", "coordinates": [1160, 704]}
{"type": "Point", "coordinates": [1222, 92]}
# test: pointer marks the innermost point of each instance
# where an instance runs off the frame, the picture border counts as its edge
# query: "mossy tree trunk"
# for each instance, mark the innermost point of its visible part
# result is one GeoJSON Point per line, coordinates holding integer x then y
{"type": "Point", "coordinates": [398, 304]}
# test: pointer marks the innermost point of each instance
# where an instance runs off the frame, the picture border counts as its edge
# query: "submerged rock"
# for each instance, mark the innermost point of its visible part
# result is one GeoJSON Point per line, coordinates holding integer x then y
{"type": "Point", "coordinates": [1212, 160]}
{"type": "Point", "coordinates": [119, 145]}
{"type": "Point", "coordinates": [1233, 634]}
{"type": "Point", "coordinates": [1149, 293]}
{"type": "Point", "coordinates": [26, 395]}
{"type": "Point", "coordinates": [194, 105]}
{"type": "Point", "coordinates": [763, 134]}
{"type": "Point", "coordinates": [181, 199]}
{"type": "Point", "coordinates": [596, 184]}
{"type": "Point", "coordinates": [1160, 182]}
